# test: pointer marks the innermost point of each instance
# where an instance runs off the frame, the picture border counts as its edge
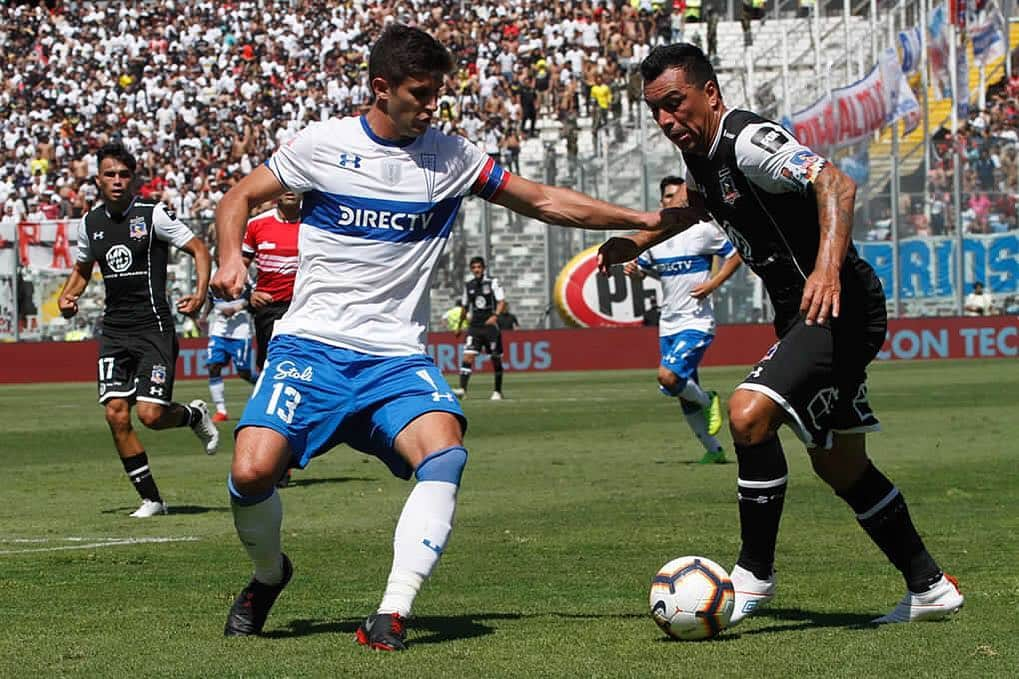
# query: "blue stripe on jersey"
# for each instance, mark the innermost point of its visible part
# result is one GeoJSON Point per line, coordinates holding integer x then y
{"type": "Point", "coordinates": [384, 142]}
{"type": "Point", "coordinates": [677, 266]}
{"type": "Point", "coordinates": [386, 220]}
{"type": "Point", "coordinates": [644, 262]}
{"type": "Point", "coordinates": [725, 249]}
{"type": "Point", "coordinates": [494, 180]}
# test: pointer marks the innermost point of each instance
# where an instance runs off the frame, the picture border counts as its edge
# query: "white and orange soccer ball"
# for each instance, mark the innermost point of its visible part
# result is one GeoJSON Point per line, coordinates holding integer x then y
{"type": "Point", "coordinates": [691, 598]}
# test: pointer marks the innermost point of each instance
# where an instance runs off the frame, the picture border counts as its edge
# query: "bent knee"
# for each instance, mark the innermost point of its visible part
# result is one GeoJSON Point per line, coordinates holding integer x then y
{"type": "Point", "coordinates": [150, 415]}
{"type": "Point", "coordinates": [252, 475]}
{"type": "Point", "coordinates": [118, 415]}
{"type": "Point", "coordinates": [670, 381]}
{"type": "Point", "coordinates": [751, 419]}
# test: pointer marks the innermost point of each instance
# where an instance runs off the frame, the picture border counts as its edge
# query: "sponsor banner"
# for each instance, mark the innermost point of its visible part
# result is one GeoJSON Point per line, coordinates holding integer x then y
{"type": "Point", "coordinates": [44, 246]}
{"type": "Point", "coordinates": [586, 299]}
{"type": "Point", "coordinates": [571, 349]}
{"type": "Point", "coordinates": [927, 265]}
{"type": "Point", "coordinates": [854, 112]}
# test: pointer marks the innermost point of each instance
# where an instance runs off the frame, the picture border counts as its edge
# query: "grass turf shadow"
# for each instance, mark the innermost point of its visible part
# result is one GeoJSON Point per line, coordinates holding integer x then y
{"type": "Point", "coordinates": [429, 629]}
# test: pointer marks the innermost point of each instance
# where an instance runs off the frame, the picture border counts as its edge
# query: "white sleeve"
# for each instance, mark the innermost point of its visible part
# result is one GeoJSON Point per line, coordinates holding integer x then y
{"type": "Point", "coordinates": [773, 160]}
{"type": "Point", "coordinates": [712, 240]}
{"type": "Point", "coordinates": [84, 248]}
{"type": "Point", "coordinates": [169, 228]}
{"type": "Point", "coordinates": [291, 163]}
{"type": "Point", "coordinates": [497, 290]}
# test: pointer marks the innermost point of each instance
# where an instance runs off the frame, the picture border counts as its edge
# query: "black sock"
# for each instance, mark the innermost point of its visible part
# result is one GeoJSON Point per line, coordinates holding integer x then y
{"type": "Point", "coordinates": [761, 492]}
{"type": "Point", "coordinates": [881, 511]}
{"type": "Point", "coordinates": [465, 376]}
{"type": "Point", "coordinates": [137, 468]}
{"type": "Point", "coordinates": [497, 366]}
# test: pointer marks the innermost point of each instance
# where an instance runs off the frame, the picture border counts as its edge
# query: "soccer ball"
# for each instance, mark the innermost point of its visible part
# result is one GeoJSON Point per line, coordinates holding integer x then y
{"type": "Point", "coordinates": [691, 598]}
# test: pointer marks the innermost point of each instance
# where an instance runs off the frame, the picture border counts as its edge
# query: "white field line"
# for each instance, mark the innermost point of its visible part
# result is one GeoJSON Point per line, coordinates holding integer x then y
{"type": "Point", "coordinates": [85, 543]}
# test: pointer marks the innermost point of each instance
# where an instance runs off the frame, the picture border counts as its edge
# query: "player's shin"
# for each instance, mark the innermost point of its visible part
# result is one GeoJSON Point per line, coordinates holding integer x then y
{"type": "Point", "coordinates": [137, 468]}
{"type": "Point", "coordinates": [881, 511]}
{"type": "Point", "coordinates": [497, 367]}
{"type": "Point", "coordinates": [257, 520]}
{"type": "Point", "coordinates": [465, 374]}
{"type": "Point", "coordinates": [424, 527]}
{"type": "Point", "coordinates": [763, 474]}
{"type": "Point", "coordinates": [218, 392]}
{"type": "Point", "coordinates": [695, 418]}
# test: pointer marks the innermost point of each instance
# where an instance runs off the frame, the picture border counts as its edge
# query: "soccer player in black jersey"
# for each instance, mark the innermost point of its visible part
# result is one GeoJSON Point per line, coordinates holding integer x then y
{"type": "Point", "coordinates": [789, 212]}
{"type": "Point", "coordinates": [483, 300]}
{"type": "Point", "coordinates": [130, 239]}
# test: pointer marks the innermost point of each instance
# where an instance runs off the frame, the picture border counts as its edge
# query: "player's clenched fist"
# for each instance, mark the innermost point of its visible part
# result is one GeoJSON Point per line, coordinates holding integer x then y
{"type": "Point", "coordinates": [228, 281]}
{"type": "Point", "coordinates": [616, 250]}
{"type": "Point", "coordinates": [68, 305]}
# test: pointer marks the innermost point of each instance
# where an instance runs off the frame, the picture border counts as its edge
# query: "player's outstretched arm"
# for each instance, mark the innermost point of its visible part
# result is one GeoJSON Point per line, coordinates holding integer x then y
{"type": "Point", "coordinates": [566, 207]}
{"type": "Point", "coordinates": [231, 218]}
{"type": "Point", "coordinates": [191, 304]}
{"type": "Point", "coordinates": [835, 193]}
{"type": "Point", "coordinates": [76, 283]}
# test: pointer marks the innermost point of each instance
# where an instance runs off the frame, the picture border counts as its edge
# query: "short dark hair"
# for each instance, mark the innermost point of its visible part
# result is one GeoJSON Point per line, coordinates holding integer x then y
{"type": "Point", "coordinates": [477, 260]}
{"type": "Point", "coordinates": [671, 180]}
{"type": "Point", "coordinates": [403, 51]}
{"type": "Point", "coordinates": [116, 150]}
{"type": "Point", "coordinates": [682, 55]}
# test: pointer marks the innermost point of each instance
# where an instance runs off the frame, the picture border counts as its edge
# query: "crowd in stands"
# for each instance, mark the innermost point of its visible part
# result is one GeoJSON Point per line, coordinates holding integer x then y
{"type": "Point", "coordinates": [988, 144]}
{"type": "Point", "coordinates": [203, 91]}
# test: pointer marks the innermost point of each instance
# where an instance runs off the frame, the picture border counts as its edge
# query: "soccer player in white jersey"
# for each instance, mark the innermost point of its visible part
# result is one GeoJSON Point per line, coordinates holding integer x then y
{"type": "Point", "coordinates": [347, 363]}
{"type": "Point", "coordinates": [229, 342]}
{"type": "Point", "coordinates": [687, 324]}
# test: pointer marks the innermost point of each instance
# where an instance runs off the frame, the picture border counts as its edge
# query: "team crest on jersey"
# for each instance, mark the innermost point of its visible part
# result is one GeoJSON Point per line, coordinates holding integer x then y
{"type": "Point", "coordinates": [728, 186]}
{"type": "Point", "coordinates": [391, 171]}
{"type": "Point", "coordinates": [137, 228]}
{"type": "Point", "coordinates": [428, 167]}
{"type": "Point", "coordinates": [158, 375]}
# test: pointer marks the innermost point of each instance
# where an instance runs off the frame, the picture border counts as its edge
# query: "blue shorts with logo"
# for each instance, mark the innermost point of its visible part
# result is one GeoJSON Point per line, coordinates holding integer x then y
{"type": "Point", "coordinates": [222, 350]}
{"type": "Point", "coordinates": [682, 352]}
{"type": "Point", "coordinates": [319, 396]}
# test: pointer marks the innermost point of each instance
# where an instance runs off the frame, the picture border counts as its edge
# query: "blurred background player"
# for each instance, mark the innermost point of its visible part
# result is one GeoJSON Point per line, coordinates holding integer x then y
{"type": "Point", "coordinates": [130, 238]}
{"type": "Point", "coordinates": [484, 300]}
{"type": "Point", "coordinates": [686, 325]}
{"type": "Point", "coordinates": [270, 240]}
{"type": "Point", "coordinates": [229, 341]}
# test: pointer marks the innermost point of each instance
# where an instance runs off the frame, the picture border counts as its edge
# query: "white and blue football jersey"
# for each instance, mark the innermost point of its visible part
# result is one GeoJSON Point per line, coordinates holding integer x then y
{"type": "Point", "coordinates": [682, 263]}
{"type": "Point", "coordinates": [375, 216]}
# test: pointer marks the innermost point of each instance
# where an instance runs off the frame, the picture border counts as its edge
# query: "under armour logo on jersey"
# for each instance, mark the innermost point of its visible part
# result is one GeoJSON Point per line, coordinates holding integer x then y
{"type": "Point", "coordinates": [755, 373]}
{"type": "Point", "coordinates": [156, 391]}
{"type": "Point", "coordinates": [98, 235]}
{"type": "Point", "coordinates": [350, 159]}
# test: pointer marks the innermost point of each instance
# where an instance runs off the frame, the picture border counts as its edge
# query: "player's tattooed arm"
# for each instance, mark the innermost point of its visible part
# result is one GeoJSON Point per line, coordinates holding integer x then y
{"type": "Point", "coordinates": [836, 194]}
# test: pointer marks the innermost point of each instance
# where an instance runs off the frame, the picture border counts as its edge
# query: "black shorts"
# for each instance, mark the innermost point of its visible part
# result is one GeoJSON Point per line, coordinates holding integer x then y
{"type": "Point", "coordinates": [485, 338]}
{"type": "Point", "coordinates": [818, 375]}
{"type": "Point", "coordinates": [265, 319]}
{"type": "Point", "coordinates": [137, 366]}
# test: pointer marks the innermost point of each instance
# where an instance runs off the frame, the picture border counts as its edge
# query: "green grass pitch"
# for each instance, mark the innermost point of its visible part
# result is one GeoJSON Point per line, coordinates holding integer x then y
{"type": "Point", "coordinates": [579, 487]}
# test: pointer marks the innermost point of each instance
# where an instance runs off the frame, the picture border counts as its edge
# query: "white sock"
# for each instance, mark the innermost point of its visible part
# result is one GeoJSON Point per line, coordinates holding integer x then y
{"type": "Point", "coordinates": [258, 527]}
{"type": "Point", "coordinates": [218, 392]}
{"type": "Point", "coordinates": [420, 538]}
{"type": "Point", "coordinates": [692, 392]}
{"type": "Point", "coordinates": [700, 430]}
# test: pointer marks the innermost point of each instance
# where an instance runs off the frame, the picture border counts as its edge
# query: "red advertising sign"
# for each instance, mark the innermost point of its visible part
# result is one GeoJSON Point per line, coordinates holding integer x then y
{"type": "Point", "coordinates": [573, 349]}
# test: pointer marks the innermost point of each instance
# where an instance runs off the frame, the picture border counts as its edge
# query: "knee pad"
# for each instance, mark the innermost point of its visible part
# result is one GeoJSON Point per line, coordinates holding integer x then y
{"type": "Point", "coordinates": [245, 500]}
{"type": "Point", "coordinates": [443, 465]}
